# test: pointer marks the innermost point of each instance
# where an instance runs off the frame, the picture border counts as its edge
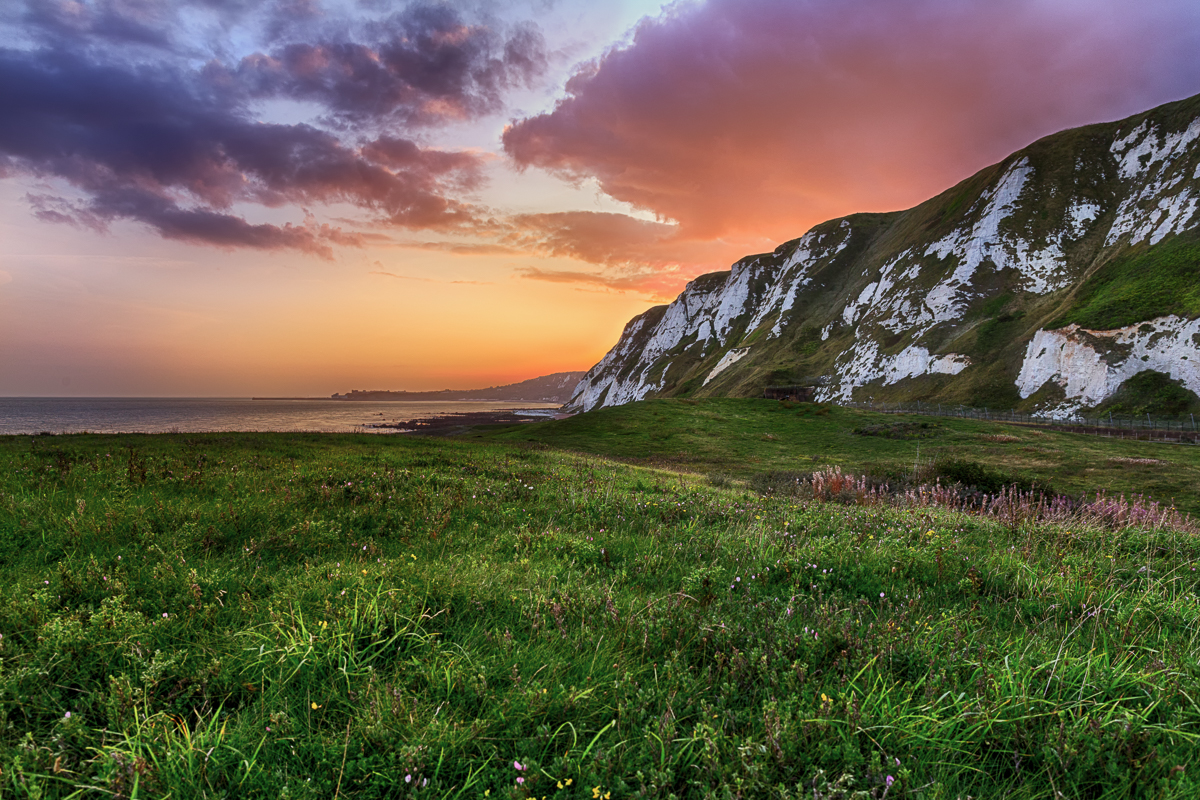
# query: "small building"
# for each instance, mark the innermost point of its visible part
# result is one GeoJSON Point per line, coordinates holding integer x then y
{"type": "Point", "coordinates": [797, 394]}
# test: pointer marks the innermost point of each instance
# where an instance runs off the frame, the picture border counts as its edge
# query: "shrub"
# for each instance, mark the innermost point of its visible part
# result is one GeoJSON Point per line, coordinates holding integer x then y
{"type": "Point", "coordinates": [974, 475]}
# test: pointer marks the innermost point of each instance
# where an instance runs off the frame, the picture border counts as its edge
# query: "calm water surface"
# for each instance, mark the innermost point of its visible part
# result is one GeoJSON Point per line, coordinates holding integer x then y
{"type": "Point", "coordinates": [202, 414]}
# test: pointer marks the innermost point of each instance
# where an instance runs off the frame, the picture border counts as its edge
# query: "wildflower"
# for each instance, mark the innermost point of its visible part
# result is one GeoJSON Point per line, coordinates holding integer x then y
{"type": "Point", "coordinates": [408, 778]}
{"type": "Point", "coordinates": [890, 780]}
{"type": "Point", "coordinates": [67, 716]}
{"type": "Point", "coordinates": [315, 706]}
{"type": "Point", "coordinates": [520, 780]}
{"type": "Point", "coordinates": [518, 766]}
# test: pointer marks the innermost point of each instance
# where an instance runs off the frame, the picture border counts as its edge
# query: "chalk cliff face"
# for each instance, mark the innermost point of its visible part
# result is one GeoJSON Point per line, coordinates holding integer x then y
{"type": "Point", "coordinates": [1042, 282]}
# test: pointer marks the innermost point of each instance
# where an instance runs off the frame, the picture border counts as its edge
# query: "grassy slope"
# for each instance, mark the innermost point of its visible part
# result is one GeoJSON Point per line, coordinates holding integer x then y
{"type": "Point", "coordinates": [741, 437]}
{"type": "Point", "coordinates": [1146, 283]}
{"type": "Point", "coordinates": [310, 616]}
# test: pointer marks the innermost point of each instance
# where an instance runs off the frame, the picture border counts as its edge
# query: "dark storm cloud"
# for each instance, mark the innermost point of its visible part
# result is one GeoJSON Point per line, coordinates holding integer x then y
{"type": "Point", "coordinates": [123, 100]}
{"type": "Point", "coordinates": [424, 66]}
{"type": "Point", "coordinates": [155, 146]}
{"type": "Point", "coordinates": [196, 225]}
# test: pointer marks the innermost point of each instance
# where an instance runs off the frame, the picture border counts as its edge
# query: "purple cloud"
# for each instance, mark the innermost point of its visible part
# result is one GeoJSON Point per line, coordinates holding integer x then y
{"type": "Point", "coordinates": [423, 66]}
{"type": "Point", "coordinates": [156, 146]}
{"type": "Point", "coordinates": [107, 96]}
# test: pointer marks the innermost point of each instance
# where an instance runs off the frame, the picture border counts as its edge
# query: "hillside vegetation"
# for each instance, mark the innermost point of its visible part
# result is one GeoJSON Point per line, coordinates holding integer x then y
{"type": "Point", "coordinates": [351, 616]}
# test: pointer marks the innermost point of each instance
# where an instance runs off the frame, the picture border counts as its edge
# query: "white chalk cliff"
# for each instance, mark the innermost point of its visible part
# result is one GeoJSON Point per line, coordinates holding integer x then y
{"type": "Point", "coordinates": [972, 296]}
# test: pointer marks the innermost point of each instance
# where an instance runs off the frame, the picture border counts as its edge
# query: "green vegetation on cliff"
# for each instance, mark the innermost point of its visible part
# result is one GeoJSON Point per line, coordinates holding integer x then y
{"type": "Point", "coordinates": [1149, 282]}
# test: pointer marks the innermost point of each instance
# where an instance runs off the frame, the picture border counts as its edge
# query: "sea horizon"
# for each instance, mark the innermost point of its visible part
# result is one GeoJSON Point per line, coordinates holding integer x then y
{"type": "Point", "coordinates": [29, 415]}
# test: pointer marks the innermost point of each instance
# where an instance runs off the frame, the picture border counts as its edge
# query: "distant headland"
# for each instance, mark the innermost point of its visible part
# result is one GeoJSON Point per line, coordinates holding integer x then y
{"type": "Point", "coordinates": [556, 388]}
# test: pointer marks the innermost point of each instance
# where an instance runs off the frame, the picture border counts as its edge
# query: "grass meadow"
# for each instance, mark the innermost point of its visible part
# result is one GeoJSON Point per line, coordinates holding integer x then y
{"type": "Point", "coordinates": [744, 438]}
{"type": "Point", "coordinates": [288, 615]}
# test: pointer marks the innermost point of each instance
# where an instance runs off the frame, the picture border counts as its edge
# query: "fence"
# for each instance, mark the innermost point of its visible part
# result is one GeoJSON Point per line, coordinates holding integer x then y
{"type": "Point", "coordinates": [1172, 429]}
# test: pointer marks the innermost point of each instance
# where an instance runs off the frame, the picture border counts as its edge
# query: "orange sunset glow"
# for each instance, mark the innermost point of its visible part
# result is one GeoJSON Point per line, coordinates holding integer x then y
{"type": "Point", "coordinates": [296, 199]}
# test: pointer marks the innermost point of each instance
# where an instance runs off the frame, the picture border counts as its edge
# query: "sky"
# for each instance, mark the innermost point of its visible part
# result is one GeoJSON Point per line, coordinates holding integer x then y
{"type": "Point", "coordinates": [302, 197]}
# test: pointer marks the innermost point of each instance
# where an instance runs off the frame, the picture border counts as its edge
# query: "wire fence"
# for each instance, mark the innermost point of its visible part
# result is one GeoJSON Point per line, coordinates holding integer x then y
{"type": "Point", "coordinates": [1182, 429]}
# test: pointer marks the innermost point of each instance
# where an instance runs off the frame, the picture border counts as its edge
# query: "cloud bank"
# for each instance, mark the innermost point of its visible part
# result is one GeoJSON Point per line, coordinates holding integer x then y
{"type": "Point", "coordinates": [144, 135]}
{"type": "Point", "coordinates": [767, 116]}
{"type": "Point", "coordinates": [737, 123]}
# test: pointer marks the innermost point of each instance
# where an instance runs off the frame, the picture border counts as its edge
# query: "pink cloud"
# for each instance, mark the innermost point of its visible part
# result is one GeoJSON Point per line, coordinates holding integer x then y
{"type": "Point", "coordinates": [763, 117]}
{"type": "Point", "coordinates": [635, 254]}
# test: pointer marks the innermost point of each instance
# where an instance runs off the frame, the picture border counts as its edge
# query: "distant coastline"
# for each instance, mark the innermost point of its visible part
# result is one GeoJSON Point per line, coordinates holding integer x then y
{"type": "Point", "coordinates": [556, 388]}
{"type": "Point", "coordinates": [21, 416]}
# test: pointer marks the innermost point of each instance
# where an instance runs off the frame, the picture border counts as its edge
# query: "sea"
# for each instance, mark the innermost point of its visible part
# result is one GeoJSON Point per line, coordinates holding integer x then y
{"type": "Point", "coordinates": [33, 415]}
